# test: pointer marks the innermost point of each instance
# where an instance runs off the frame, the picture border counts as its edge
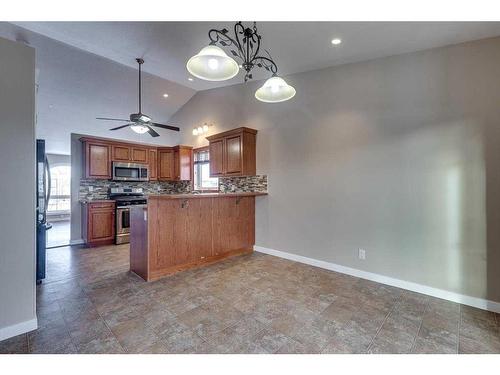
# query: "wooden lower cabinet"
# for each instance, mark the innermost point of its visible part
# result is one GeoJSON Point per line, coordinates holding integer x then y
{"type": "Point", "coordinates": [98, 223]}
{"type": "Point", "coordinates": [180, 233]}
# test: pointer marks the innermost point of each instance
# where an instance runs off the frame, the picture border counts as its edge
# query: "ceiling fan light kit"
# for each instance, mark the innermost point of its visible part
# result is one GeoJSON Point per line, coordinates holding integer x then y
{"type": "Point", "coordinates": [213, 64]}
{"type": "Point", "coordinates": [139, 122]}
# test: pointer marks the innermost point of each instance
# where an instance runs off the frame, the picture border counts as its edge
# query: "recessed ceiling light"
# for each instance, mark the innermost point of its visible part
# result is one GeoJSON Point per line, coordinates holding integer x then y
{"type": "Point", "coordinates": [336, 41]}
{"type": "Point", "coordinates": [165, 95]}
{"type": "Point", "coordinates": [190, 79]}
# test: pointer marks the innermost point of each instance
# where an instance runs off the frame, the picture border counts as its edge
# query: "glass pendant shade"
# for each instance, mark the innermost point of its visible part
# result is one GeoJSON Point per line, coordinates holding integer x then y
{"type": "Point", "coordinates": [212, 64]}
{"type": "Point", "coordinates": [140, 129]}
{"type": "Point", "coordinates": [275, 90]}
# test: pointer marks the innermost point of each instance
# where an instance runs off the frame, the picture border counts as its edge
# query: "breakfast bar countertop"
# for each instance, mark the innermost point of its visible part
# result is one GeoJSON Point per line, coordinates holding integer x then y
{"type": "Point", "coordinates": [205, 195]}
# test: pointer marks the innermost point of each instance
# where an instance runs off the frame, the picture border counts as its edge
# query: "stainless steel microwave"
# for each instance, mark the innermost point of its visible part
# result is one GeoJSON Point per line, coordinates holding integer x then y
{"type": "Point", "coordinates": [130, 172]}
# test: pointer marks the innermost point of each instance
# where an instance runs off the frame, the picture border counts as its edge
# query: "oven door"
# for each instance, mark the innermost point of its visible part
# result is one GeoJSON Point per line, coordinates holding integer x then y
{"type": "Point", "coordinates": [122, 225]}
{"type": "Point", "coordinates": [122, 220]}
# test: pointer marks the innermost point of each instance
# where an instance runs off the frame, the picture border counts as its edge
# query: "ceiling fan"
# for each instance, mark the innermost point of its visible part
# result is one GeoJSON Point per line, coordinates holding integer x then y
{"type": "Point", "coordinates": [139, 122]}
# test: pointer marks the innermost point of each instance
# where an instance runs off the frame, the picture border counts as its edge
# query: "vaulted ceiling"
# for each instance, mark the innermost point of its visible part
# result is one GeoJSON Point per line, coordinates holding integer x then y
{"type": "Point", "coordinates": [295, 46]}
{"type": "Point", "coordinates": [88, 69]}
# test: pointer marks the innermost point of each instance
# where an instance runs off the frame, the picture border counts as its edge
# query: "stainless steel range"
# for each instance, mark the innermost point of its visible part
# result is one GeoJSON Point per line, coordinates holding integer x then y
{"type": "Point", "coordinates": [124, 198]}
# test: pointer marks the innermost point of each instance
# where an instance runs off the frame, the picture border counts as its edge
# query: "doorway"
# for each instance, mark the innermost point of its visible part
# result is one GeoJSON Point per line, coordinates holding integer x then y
{"type": "Point", "coordinates": [59, 204]}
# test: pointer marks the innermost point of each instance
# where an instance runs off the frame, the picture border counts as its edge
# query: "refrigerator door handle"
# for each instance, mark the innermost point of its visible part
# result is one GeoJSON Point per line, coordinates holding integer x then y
{"type": "Point", "coordinates": [48, 187]}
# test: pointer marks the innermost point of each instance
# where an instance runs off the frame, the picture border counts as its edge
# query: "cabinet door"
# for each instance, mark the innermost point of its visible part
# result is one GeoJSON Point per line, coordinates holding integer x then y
{"type": "Point", "coordinates": [165, 164]}
{"type": "Point", "coordinates": [216, 150]}
{"type": "Point", "coordinates": [121, 153]}
{"type": "Point", "coordinates": [153, 165]}
{"type": "Point", "coordinates": [101, 225]}
{"type": "Point", "coordinates": [185, 164]}
{"type": "Point", "coordinates": [233, 153]}
{"type": "Point", "coordinates": [139, 155]}
{"type": "Point", "coordinates": [177, 166]}
{"type": "Point", "coordinates": [97, 160]}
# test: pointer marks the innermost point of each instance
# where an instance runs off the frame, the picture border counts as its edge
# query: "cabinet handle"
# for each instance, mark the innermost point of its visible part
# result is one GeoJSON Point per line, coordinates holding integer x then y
{"type": "Point", "coordinates": [238, 199]}
{"type": "Point", "coordinates": [184, 203]}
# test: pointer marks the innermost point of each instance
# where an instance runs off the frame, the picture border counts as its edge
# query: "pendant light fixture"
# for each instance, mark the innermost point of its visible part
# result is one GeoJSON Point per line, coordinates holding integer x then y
{"type": "Point", "coordinates": [213, 64]}
{"type": "Point", "coordinates": [275, 90]}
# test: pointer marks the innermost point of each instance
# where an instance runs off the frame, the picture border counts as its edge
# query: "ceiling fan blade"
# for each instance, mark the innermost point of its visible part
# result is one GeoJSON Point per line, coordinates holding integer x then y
{"type": "Point", "coordinates": [120, 127]}
{"type": "Point", "coordinates": [169, 127]}
{"type": "Point", "coordinates": [152, 132]}
{"type": "Point", "coordinates": [110, 119]}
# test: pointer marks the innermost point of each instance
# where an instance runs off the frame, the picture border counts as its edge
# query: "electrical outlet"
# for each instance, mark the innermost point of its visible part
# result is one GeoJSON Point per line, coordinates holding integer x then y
{"type": "Point", "coordinates": [362, 254]}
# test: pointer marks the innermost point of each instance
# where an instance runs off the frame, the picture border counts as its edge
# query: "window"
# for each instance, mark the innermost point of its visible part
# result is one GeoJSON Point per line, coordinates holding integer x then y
{"type": "Point", "coordinates": [60, 182]}
{"type": "Point", "coordinates": [202, 179]}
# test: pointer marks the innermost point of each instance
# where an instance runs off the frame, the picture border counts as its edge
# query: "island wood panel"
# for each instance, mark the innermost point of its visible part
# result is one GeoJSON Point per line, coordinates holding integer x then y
{"type": "Point", "coordinates": [189, 232]}
{"type": "Point", "coordinates": [234, 224]}
{"type": "Point", "coordinates": [139, 242]}
{"type": "Point", "coordinates": [199, 218]}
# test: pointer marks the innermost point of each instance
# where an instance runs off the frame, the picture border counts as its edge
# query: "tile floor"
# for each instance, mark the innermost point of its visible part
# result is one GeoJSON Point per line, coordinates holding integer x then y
{"type": "Point", "coordinates": [90, 303]}
{"type": "Point", "coordinates": [59, 234]}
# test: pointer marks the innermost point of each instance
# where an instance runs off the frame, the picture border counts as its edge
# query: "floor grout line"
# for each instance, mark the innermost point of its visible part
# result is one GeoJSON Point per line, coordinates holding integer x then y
{"type": "Point", "coordinates": [385, 319]}
{"type": "Point", "coordinates": [420, 326]}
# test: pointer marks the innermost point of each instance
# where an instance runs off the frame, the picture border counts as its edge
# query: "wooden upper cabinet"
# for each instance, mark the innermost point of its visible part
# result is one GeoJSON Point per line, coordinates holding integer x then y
{"type": "Point", "coordinates": [120, 153]}
{"type": "Point", "coordinates": [139, 155]}
{"type": "Point", "coordinates": [97, 158]}
{"type": "Point", "coordinates": [183, 163]}
{"type": "Point", "coordinates": [153, 164]}
{"type": "Point", "coordinates": [216, 151]}
{"type": "Point", "coordinates": [234, 157]}
{"type": "Point", "coordinates": [165, 164]}
{"type": "Point", "coordinates": [127, 153]}
{"type": "Point", "coordinates": [232, 153]}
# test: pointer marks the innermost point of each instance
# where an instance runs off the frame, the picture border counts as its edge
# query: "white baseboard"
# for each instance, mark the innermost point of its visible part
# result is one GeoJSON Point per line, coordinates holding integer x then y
{"type": "Point", "coordinates": [408, 285]}
{"type": "Point", "coordinates": [17, 329]}
{"type": "Point", "coordinates": [77, 242]}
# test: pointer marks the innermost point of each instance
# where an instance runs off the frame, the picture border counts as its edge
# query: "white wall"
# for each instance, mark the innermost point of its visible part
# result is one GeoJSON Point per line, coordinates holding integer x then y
{"type": "Point", "coordinates": [17, 189]}
{"type": "Point", "coordinates": [398, 156]}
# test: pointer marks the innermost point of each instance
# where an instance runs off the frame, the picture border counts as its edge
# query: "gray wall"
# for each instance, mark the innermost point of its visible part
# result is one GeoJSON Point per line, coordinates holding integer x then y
{"type": "Point", "coordinates": [398, 156]}
{"type": "Point", "coordinates": [75, 87]}
{"type": "Point", "coordinates": [17, 189]}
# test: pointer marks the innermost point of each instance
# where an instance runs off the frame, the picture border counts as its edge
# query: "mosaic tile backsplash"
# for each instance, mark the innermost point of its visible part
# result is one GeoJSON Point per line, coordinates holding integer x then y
{"type": "Point", "coordinates": [244, 184]}
{"type": "Point", "coordinates": [99, 189]}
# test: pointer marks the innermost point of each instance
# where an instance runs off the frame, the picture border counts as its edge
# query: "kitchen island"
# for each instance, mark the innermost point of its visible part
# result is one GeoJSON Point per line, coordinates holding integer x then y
{"type": "Point", "coordinates": [181, 231]}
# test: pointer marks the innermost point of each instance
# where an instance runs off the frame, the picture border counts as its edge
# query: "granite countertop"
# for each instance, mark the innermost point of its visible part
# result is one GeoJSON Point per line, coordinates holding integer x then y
{"type": "Point", "coordinates": [87, 201]}
{"type": "Point", "coordinates": [206, 195]}
{"type": "Point", "coordinates": [183, 196]}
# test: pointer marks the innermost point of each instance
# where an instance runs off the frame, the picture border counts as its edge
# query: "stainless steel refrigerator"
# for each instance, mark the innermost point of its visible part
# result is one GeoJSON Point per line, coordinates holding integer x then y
{"type": "Point", "coordinates": [42, 200]}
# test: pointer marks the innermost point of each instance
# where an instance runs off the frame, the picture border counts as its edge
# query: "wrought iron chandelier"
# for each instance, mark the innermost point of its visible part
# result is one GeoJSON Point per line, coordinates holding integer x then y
{"type": "Point", "coordinates": [213, 64]}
